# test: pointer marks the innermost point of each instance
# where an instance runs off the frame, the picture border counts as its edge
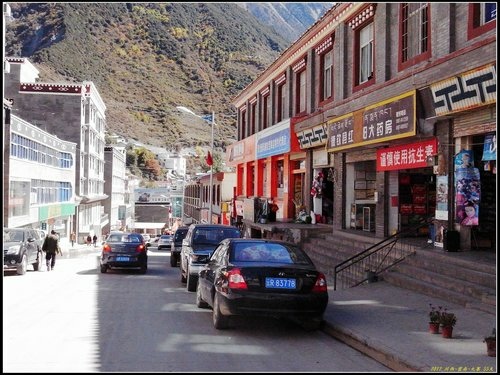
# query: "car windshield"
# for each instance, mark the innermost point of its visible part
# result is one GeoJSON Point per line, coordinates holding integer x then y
{"type": "Point", "coordinates": [165, 238]}
{"type": "Point", "coordinates": [12, 235]}
{"type": "Point", "coordinates": [132, 238]}
{"type": "Point", "coordinates": [179, 235]}
{"type": "Point", "coordinates": [267, 252]}
{"type": "Point", "coordinates": [212, 236]}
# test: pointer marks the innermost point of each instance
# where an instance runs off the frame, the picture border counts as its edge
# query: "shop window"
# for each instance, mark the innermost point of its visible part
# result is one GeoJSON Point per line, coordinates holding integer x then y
{"type": "Point", "coordinates": [414, 34]}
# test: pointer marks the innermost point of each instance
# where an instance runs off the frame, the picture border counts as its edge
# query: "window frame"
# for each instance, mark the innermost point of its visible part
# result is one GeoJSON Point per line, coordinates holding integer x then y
{"type": "Point", "coordinates": [475, 25]}
{"type": "Point", "coordinates": [301, 91]}
{"type": "Point", "coordinates": [357, 85]}
{"type": "Point", "coordinates": [422, 55]}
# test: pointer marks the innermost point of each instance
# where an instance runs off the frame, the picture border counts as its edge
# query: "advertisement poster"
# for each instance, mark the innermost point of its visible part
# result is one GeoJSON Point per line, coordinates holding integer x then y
{"type": "Point", "coordinates": [490, 147]}
{"type": "Point", "coordinates": [467, 196]}
{"type": "Point", "coordinates": [442, 198]}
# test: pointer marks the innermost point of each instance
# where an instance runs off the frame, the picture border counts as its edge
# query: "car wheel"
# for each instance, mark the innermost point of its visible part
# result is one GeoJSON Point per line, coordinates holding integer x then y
{"type": "Point", "coordinates": [191, 282]}
{"type": "Point", "coordinates": [220, 321]}
{"type": "Point", "coordinates": [104, 268]}
{"type": "Point", "coordinates": [144, 269]}
{"type": "Point", "coordinates": [38, 264]}
{"type": "Point", "coordinates": [173, 260]}
{"type": "Point", "coordinates": [199, 301]}
{"type": "Point", "coordinates": [23, 266]}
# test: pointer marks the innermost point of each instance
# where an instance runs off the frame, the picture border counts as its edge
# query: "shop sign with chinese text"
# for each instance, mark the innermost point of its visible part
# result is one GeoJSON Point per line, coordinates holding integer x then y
{"type": "Point", "coordinates": [407, 156]}
{"type": "Point", "coordinates": [390, 119]}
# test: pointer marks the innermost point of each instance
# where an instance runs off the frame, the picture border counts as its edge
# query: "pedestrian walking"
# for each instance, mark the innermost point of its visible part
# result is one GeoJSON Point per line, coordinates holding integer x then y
{"type": "Point", "coordinates": [94, 239]}
{"type": "Point", "coordinates": [72, 238]}
{"type": "Point", "coordinates": [89, 240]}
{"type": "Point", "coordinates": [51, 248]}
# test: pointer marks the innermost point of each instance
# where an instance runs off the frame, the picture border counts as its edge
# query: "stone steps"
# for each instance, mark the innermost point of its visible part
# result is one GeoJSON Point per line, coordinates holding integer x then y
{"type": "Point", "coordinates": [461, 278]}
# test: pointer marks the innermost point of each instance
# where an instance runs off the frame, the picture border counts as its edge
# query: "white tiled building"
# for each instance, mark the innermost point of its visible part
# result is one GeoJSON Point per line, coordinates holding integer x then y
{"type": "Point", "coordinates": [74, 112]}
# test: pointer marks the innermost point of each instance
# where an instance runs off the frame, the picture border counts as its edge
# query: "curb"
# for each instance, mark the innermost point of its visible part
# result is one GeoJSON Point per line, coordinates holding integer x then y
{"type": "Point", "coordinates": [361, 345]}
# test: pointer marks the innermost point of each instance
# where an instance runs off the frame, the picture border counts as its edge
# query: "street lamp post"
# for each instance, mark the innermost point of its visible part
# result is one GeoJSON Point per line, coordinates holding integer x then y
{"type": "Point", "coordinates": [212, 123]}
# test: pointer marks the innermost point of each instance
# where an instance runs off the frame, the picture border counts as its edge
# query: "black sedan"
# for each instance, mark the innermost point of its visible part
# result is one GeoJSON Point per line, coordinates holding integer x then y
{"type": "Point", "coordinates": [124, 250]}
{"type": "Point", "coordinates": [262, 277]}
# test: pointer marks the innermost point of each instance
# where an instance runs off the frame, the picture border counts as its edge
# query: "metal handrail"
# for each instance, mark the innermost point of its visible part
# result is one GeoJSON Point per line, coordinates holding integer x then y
{"type": "Point", "coordinates": [375, 259]}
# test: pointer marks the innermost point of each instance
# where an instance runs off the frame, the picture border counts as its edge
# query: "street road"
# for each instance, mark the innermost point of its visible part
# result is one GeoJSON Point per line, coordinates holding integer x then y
{"type": "Point", "coordinates": [75, 319]}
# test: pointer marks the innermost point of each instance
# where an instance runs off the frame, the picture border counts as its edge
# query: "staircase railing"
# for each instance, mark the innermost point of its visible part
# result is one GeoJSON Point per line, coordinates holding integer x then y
{"type": "Point", "coordinates": [366, 265]}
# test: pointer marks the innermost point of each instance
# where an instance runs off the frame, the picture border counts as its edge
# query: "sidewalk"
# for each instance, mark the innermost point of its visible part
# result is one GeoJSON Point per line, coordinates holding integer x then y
{"type": "Point", "coordinates": [68, 250]}
{"type": "Point", "coordinates": [390, 324]}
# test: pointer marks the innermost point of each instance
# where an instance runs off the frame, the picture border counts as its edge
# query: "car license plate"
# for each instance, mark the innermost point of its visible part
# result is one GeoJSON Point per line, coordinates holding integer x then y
{"type": "Point", "coordinates": [280, 283]}
{"type": "Point", "coordinates": [122, 259]}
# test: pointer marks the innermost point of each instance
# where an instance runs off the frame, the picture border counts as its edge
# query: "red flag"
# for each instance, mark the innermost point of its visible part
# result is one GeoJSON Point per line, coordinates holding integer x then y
{"type": "Point", "coordinates": [209, 159]}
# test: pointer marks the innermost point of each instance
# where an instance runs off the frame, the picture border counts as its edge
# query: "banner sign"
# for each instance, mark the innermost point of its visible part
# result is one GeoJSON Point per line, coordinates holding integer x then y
{"type": "Point", "coordinates": [408, 156]}
{"type": "Point", "coordinates": [390, 119]}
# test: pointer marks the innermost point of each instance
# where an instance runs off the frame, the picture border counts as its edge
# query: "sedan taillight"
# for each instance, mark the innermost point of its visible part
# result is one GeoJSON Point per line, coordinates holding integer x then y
{"type": "Point", "coordinates": [235, 279]}
{"type": "Point", "coordinates": [140, 248]}
{"type": "Point", "coordinates": [320, 284]}
{"type": "Point", "coordinates": [106, 248]}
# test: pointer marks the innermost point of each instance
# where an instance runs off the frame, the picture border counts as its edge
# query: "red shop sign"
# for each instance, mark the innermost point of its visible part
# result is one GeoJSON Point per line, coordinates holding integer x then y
{"type": "Point", "coordinates": [412, 155]}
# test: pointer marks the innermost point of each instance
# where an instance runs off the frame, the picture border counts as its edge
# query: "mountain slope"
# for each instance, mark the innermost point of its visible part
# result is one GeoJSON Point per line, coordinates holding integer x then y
{"type": "Point", "coordinates": [148, 58]}
{"type": "Point", "coordinates": [290, 20]}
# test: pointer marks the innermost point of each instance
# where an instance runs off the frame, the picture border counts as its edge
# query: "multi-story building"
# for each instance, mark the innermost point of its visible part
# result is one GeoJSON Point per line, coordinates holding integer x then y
{"type": "Point", "coordinates": [38, 179]}
{"type": "Point", "coordinates": [74, 112]}
{"type": "Point", "coordinates": [197, 199]}
{"type": "Point", "coordinates": [364, 120]}
{"type": "Point", "coordinates": [118, 204]}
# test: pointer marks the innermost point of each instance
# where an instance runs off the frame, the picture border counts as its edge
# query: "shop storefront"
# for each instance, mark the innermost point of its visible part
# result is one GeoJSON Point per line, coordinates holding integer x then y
{"type": "Point", "coordinates": [469, 100]}
{"type": "Point", "coordinates": [412, 184]}
{"type": "Point", "coordinates": [270, 168]}
{"type": "Point", "coordinates": [357, 137]}
{"type": "Point", "coordinates": [320, 185]}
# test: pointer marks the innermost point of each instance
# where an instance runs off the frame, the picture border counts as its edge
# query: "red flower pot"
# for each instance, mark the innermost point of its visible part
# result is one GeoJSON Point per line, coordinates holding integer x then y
{"type": "Point", "coordinates": [433, 327]}
{"type": "Point", "coordinates": [447, 331]}
{"type": "Point", "coordinates": [491, 347]}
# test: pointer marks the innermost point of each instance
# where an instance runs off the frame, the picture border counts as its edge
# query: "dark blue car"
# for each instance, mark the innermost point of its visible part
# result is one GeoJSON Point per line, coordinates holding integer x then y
{"type": "Point", "coordinates": [124, 250]}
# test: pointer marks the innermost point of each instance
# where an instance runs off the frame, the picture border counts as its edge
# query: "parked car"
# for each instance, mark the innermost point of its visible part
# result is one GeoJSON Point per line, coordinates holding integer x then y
{"type": "Point", "coordinates": [164, 242]}
{"type": "Point", "coordinates": [262, 277]}
{"type": "Point", "coordinates": [200, 241]}
{"type": "Point", "coordinates": [41, 237]}
{"type": "Point", "coordinates": [124, 250]}
{"type": "Point", "coordinates": [176, 245]}
{"type": "Point", "coordinates": [21, 246]}
{"type": "Point", "coordinates": [147, 238]}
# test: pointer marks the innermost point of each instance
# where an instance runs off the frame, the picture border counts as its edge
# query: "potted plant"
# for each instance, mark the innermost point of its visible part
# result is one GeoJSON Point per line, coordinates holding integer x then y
{"type": "Point", "coordinates": [434, 318]}
{"type": "Point", "coordinates": [447, 321]}
{"type": "Point", "coordinates": [491, 343]}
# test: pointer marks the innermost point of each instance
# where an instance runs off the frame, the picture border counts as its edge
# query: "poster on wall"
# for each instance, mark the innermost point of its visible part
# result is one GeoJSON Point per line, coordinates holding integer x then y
{"type": "Point", "coordinates": [467, 196]}
{"type": "Point", "coordinates": [442, 198]}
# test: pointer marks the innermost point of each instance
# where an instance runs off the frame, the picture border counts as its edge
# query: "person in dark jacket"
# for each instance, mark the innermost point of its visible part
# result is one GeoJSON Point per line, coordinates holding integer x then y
{"type": "Point", "coordinates": [94, 240]}
{"type": "Point", "coordinates": [51, 248]}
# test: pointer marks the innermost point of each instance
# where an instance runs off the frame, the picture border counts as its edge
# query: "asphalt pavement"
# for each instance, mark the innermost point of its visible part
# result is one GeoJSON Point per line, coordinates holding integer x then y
{"type": "Point", "coordinates": [390, 324]}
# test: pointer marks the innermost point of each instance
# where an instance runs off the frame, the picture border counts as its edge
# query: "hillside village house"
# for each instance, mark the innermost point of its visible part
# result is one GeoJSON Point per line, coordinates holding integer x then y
{"type": "Point", "coordinates": [364, 118]}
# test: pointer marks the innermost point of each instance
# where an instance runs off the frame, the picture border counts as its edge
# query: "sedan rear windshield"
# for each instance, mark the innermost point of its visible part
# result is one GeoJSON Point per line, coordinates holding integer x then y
{"type": "Point", "coordinates": [125, 238]}
{"type": "Point", "coordinates": [267, 252]}
{"type": "Point", "coordinates": [211, 236]}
